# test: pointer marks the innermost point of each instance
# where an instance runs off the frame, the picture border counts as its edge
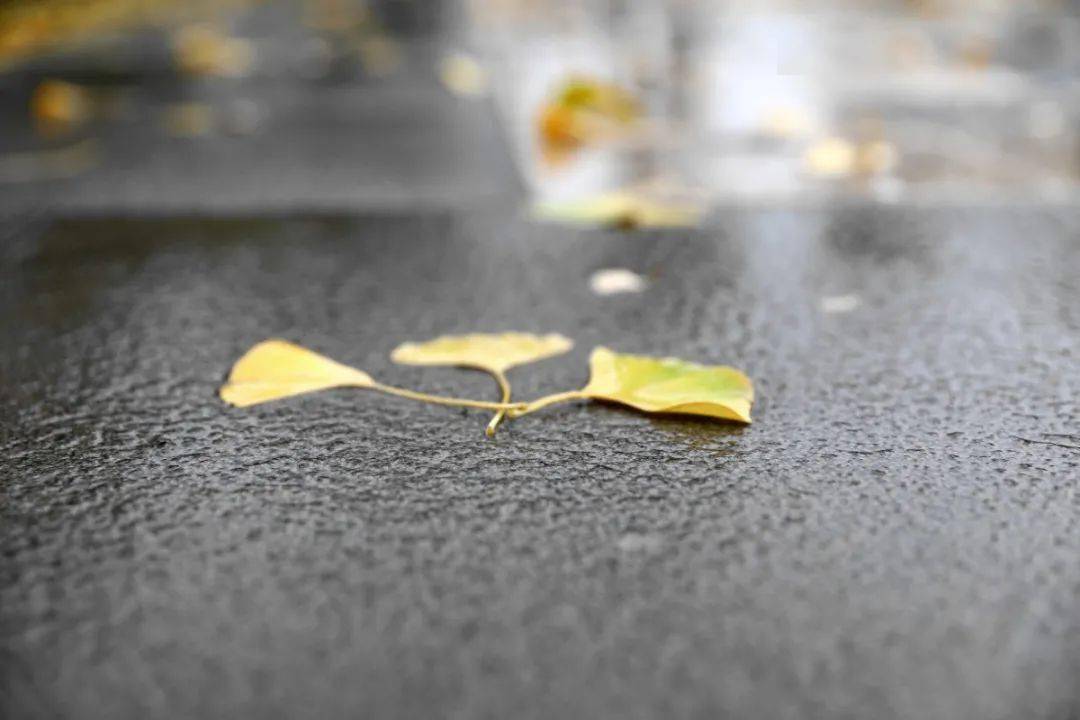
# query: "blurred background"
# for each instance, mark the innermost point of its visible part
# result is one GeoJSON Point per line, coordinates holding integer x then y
{"type": "Point", "coordinates": [634, 112]}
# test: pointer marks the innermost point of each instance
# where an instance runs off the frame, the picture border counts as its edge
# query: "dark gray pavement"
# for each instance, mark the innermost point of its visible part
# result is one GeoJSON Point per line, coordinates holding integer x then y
{"type": "Point", "coordinates": [896, 535]}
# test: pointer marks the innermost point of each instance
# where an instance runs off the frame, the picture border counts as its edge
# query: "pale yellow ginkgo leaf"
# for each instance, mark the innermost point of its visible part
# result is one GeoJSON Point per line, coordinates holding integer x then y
{"type": "Point", "coordinates": [495, 353]}
{"type": "Point", "coordinates": [276, 369]}
{"type": "Point", "coordinates": [669, 385]}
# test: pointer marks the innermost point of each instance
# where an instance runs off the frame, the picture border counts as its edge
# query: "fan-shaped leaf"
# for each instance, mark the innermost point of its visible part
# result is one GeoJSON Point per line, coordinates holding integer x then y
{"type": "Point", "coordinates": [490, 352]}
{"type": "Point", "coordinates": [669, 385]}
{"type": "Point", "coordinates": [276, 369]}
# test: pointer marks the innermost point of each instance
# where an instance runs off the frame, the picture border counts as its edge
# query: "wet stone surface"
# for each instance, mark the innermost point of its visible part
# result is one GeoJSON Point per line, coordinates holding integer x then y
{"type": "Point", "coordinates": [897, 535]}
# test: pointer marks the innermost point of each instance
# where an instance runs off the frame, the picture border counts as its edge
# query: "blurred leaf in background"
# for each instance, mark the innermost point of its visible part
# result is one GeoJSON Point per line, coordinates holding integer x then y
{"type": "Point", "coordinates": [32, 27]}
{"type": "Point", "coordinates": [584, 111]}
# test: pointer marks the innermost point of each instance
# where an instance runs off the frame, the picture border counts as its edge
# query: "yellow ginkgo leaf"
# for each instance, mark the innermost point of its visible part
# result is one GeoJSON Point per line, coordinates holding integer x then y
{"type": "Point", "coordinates": [494, 353]}
{"type": "Point", "coordinates": [669, 385]}
{"type": "Point", "coordinates": [276, 369]}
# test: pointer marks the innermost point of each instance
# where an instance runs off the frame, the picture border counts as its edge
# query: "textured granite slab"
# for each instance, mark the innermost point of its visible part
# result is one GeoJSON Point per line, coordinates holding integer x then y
{"type": "Point", "coordinates": [896, 536]}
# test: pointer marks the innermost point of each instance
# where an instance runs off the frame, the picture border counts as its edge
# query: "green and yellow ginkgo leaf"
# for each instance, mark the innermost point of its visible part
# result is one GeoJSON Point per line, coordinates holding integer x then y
{"type": "Point", "coordinates": [669, 385]}
{"type": "Point", "coordinates": [661, 385]}
{"type": "Point", "coordinates": [492, 353]}
{"type": "Point", "coordinates": [277, 369]}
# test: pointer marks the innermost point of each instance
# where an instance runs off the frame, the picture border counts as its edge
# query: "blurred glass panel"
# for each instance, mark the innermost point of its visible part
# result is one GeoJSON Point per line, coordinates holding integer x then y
{"type": "Point", "coordinates": [775, 100]}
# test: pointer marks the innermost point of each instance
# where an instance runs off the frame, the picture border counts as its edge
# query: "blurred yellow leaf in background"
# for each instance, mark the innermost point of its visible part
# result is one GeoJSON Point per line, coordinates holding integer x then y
{"type": "Point", "coordinates": [621, 209]}
{"type": "Point", "coordinates": [58, 107]}
{"type": "Point", "coordinates": [203, 49]}
{"type": "Point", "coordinates": [604, 98]}
{"type": "Point", "coordinates": [831, 157]}
{"type": "Point", "coordinates": [34, 27]}
{"type": "Point", "coordinates": [462, 75]}
{"type": "Point", "coordinates": [583, 111]}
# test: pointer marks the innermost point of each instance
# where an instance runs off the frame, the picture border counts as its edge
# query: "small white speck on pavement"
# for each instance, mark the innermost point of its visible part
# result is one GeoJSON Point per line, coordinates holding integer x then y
{"type": "Point", "coordinates": [837, 304]}
{"type": "Point", "coordinates": [615, 281]}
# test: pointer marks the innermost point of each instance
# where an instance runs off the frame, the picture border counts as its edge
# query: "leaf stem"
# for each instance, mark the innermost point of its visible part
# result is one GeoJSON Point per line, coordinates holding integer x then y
{"type": "Point", "coordinates": [518, 409]}
{"type": "Point", "coordinates": [504, 385]}
{"type": "Point", "coordinates": [441, 400]}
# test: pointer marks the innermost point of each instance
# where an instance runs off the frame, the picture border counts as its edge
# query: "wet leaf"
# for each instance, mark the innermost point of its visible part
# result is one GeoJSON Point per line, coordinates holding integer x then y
{"type": "Point", "coordinates": [599, 96]}
{"type": "Point", "coordinates": [202, 49]}
{"type": "Point", "coordinates": [495, 353]}
{"type": "Point", "coordinates": [492, 353]}
{"type": "Point", "coordinates": [59, 107]}
{"type": "Point", "coordinates": [669, 385]}
{"type": "Point", "coordinates": [621, 209]}
{"type": "Point", "coordinates": [35, 27]}
{"type": "Point", "coordinates": [583, 111]}
{"type": "Point", "coordinates": [276, 369]}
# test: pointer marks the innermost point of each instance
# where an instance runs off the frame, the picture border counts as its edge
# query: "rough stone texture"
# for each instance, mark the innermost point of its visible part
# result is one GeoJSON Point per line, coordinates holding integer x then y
{"type": "Point", "coordinates": [897, 535]}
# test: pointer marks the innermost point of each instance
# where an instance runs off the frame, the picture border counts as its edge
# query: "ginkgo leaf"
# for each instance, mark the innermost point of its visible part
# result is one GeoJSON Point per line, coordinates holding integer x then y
{"type": "Point", "coordinates": [491, 352]}
{"type": "Point", "coordinates": [276, 369]}
{"type": "Point", "coordinates": [669, 385]}
{"type": "Point", "coordinates": [582, 112]}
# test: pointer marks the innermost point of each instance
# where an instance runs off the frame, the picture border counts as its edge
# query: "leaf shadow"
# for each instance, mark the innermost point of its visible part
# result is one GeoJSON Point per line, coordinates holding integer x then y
{"type": "Point", "coordinates": [698, 432]}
